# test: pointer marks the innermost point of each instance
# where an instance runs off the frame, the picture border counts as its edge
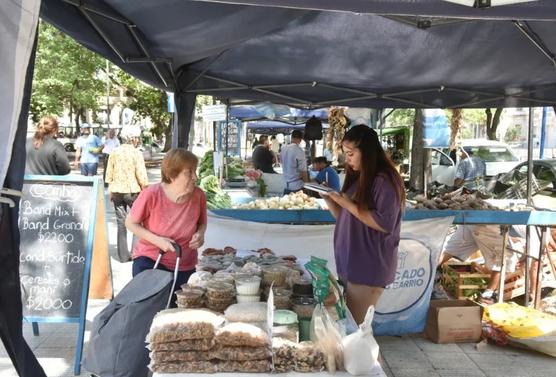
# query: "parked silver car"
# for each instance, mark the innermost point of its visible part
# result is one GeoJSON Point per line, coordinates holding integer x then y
{"type": "Point", "coordinates": [498, 156]}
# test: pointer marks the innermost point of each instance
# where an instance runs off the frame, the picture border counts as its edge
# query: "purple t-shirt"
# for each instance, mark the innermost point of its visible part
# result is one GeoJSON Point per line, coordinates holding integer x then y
{"type": "Point", "coordinates": [364, 255]}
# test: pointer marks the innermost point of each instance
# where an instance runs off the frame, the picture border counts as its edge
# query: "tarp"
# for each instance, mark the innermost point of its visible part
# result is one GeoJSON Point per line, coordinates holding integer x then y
{"type": "Point", "coordinates": [367, 54]}
{"type": "Point", "coordinates": [18, 24]}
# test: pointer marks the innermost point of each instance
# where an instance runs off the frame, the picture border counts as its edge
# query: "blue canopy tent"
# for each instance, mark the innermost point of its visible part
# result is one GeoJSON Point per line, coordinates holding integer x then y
{"type": "Point", "coordinates": [275, 127]}
{"type": "Point", "coordinates": [301, 53]}
{"type": "Point", "coordinates": [311, 54]}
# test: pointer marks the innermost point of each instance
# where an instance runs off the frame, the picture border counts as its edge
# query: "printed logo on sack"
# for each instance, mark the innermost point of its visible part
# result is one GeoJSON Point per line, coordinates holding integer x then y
{"type": "Point", "coordinates": [413, 277]}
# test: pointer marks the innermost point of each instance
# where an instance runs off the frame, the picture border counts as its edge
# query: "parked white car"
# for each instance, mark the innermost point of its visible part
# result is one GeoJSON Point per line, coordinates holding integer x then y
{"type": "Point", "coordinates": [498, 156]}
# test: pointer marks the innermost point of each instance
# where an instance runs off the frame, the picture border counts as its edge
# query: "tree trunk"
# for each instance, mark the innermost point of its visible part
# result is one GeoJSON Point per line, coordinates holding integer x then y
{"type": "Point", "coordinates": [492, 122]}
{"type": "Point", "coordinates": [455, 126]}
{"type": "Point", "coordinates": [417, 154]}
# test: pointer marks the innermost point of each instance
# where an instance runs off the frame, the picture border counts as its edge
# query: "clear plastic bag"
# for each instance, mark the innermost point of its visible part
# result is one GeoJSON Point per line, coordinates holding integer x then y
{"type": "Point", "coordinates": [246, 312]}
{"type": "Point", "coordinates": [183, 345]}
{"type": "Point", "coordinates": [180, 324]}
{"type": "Point", "coordinates": [283, 355]}
{"type": "Point", "coordinates": [240, 353]}
{"type": "Point", "coordinates": [325, 334]}
{"type": "Point", "coordinates": [242, 334]}
{"type": "Point", "coordinates": [171, 356]}
{"type": "Point", "coordinates": [183, 367]}
{"type": "Point", "coordinates": [251, 366]}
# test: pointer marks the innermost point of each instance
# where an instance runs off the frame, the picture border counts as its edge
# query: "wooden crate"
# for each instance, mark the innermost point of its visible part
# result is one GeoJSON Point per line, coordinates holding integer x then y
{"type": "Point", "coordinates": [514, 285]}
{"type": "Point", "coordinates": [463, 271]}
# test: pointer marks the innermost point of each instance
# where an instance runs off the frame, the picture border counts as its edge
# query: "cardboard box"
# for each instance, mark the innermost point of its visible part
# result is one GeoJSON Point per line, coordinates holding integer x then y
{"type": "Point", "coordinates": [453, 321]}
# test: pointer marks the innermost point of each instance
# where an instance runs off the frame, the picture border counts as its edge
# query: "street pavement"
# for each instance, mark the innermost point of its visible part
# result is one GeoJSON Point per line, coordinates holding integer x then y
{"type": "Point", "coordinates": [406, 356]}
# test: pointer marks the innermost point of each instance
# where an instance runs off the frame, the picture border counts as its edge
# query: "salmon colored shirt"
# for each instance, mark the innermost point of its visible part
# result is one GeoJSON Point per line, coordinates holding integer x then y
{"type": "Point", "coordinates": [165, 218]}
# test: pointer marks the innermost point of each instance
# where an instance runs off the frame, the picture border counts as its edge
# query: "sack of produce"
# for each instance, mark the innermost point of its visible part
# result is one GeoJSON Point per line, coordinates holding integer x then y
{"type": "Point", "coordinates": [180, 324]}
{"type": "Point", "coordinates": [242, 334]}
{"type": "Point", "coordinates": [360, 348]}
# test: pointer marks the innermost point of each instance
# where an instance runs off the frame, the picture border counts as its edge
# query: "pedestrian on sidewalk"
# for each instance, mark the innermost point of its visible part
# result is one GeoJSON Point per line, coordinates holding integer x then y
{"type": "Point", "coordinates": [45, 154]}
{"type": "Point", "coordinates": [110, 143]}
{"type": "Point", "coordinates": [173, 211]}
{"type": "Point", "coordinates": [88, 148]}
{"type": "Point", "coordinates": [126, 176]}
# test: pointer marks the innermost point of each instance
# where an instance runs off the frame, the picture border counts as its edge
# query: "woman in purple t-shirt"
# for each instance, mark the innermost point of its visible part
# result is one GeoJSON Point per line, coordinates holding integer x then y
{"type": "Point", "coordinates": [368, 213]}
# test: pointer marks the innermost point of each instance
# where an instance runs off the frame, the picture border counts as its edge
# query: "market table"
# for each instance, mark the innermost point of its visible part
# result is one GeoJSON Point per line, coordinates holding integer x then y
{"type": "Point", "coordinates": [376, 372]}
{"type": "Point", "coordinates": [319, 216]}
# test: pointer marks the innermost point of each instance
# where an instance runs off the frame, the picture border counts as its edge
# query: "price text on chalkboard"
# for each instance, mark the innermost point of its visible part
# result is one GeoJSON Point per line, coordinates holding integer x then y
{"type": "Point", "coordinates": [54, 224]}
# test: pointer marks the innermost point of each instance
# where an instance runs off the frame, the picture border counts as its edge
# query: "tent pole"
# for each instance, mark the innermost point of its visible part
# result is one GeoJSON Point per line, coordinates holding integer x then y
{"type": "Point", "coordinates": [530, 156]}
{"type": "Point", "coordinates": [543, 132]}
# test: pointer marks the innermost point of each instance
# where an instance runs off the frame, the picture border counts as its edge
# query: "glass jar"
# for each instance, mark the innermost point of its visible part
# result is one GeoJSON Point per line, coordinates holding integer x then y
{"type": "Point", "coordinates": [303, 306]}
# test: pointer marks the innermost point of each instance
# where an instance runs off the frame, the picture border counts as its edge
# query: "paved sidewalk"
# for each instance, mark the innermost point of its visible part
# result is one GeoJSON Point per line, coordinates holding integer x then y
{"type": "Point", "coordinates": [407, 356]}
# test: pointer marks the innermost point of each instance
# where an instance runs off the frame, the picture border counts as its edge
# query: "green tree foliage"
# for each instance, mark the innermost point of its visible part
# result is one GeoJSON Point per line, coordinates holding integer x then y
{"type": "Point", "coordinates": [400, 118]}
{"type": "Point", "coordinates": [513, 133]}
{"type": "Point", "coordinates": [66, 76]}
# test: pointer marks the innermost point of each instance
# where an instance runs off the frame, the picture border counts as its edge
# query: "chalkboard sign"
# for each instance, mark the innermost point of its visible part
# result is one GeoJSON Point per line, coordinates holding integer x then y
{"type": "Point", "coordinates": [54, 224]}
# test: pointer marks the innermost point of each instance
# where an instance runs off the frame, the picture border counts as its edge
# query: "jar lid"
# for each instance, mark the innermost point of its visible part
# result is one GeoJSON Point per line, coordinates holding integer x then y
{"type": "Point", "coordinates": [303, 300]}
{"type": "Point", "coordinates": [284, 317]}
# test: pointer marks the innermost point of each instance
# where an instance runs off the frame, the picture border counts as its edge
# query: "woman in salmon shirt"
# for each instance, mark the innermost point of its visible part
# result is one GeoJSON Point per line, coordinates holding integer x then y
{"type": "Point", "coordinates": [174, 210]}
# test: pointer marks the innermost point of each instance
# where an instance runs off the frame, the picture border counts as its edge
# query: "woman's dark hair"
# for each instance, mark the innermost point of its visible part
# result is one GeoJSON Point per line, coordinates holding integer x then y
{"type": "Point", "coordinates": [47, 126]}
{"type": "Point", "coordinates": [374, 162]}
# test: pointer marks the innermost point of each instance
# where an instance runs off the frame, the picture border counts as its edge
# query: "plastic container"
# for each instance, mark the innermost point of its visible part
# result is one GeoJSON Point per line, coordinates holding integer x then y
{"type": "Point", "coordinates": [285, 325]}
{"type": "Point", "coordinates": [303, 306]}
{"type": "Point", "coordinates": [247, 285]}
{"type": "Point", "coordinates": [282, 298]}
{"type": "Point", "coordinates": [276, 274]}
{"type": "Point", "coordinates": [223, 276]}
{"type": "Point", "coordinates": [190, 297]}
{"type": "Point", "coordinates": [219, 305]}
{"type": "Point", "coordinates": [220, 290]}
{"type": "Point", "coordinates": [248, 298]}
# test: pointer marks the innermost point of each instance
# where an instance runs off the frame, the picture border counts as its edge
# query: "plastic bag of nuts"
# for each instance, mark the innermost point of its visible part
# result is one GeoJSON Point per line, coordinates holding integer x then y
{"type": "Point", "coordinates": [183, 367]}
{"type": "Point", "coordinates": [240, 353]}
{"type": "Point", "coordinates": [250, 366]}
{"type": "Point", "coordinates": [169, 356]}
{"type": "Point", "coordinates": [179, 324]}
{"type": "Point", "coordinates": [283, 355]}
{"type": "Point", "coordinates": [183, 345]}
{"type": "Point", "coordinates": [308, 357]}
{"type": "Point", "coordinates": [241, 334]}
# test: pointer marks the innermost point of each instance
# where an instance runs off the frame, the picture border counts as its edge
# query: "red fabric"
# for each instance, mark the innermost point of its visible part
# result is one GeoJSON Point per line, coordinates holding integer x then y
{"type": "Point", "coordinates": [165, 218]}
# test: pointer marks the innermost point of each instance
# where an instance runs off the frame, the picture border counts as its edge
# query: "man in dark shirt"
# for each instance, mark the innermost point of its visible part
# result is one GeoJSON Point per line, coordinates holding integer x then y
{"type": "Point", "coordinates": [263, 158]}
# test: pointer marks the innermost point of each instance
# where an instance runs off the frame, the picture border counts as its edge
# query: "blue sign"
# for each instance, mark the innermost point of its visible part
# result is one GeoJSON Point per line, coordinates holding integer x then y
{"type": "Point", "coordinates": [403, 306]}
{"type": "Point", "coordinates": [170, 103]}
{"type": "Point", "coordinates": [436, 130]}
